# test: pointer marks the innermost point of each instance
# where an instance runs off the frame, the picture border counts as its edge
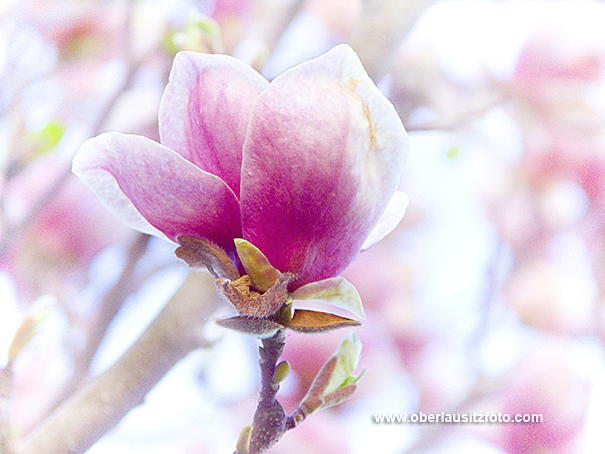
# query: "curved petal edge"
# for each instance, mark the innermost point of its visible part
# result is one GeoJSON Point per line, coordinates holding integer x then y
{"type": "Point", "coordinates": [146, 184]}
{"type": "Point", "coordinates": [336, 291]}
{"type": "Point", "coordinates": [390, 219]}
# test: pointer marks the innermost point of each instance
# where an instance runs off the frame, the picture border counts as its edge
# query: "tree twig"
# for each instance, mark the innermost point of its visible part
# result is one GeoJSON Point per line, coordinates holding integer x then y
{"type": "Point", "coordinates": [51, 192]}
{"type": "Point", "coordinates": [381, 29]}
{"type": "Point", "coordinates": [109, 307]}
{"type": "Point", "coordinates": [6, 384]}
{"type": "Point", "coordinates": [97, 408]}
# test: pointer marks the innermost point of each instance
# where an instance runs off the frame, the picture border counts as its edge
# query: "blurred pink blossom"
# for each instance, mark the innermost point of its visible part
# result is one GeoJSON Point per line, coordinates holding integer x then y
{"type": "Point", "coordinates": [550, 298]}
{"type": "Point", "coordinates": [544, 383]}
{"type": "Point", "coordinates": [558, 61]}
{"type": "Point", "coordinates": [63, 238]}
{"type": "Point", "coordinates": [560, 81]}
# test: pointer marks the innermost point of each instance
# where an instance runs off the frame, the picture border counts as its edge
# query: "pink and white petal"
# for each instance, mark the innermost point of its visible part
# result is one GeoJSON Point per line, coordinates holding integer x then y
{"type": "Point", "coordinates": [108, 191]}
{"type": "Point", "coordinates": [336, 291]}
{"type": "Point", "coordinates": [205, 110]}
{"type": "Point", "coordinates": [152, 188]}
{"type": "Point", "coordinates": [322, 159]}
{"type": "Point", "coordinates": [392, 216]}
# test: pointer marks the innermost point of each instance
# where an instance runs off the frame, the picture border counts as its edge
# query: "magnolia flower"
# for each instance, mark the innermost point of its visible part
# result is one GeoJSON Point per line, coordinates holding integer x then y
{"type": "Point", "coordinates": [304, 168]}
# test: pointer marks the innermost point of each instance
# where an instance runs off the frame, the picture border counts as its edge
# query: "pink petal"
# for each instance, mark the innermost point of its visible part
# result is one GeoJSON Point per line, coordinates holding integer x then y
{"type": "Point", "coordinates": [323, 157]}
{"type": "Point", "coordinates": [152, 188]}
{"type": "Point", "coordinates": [391, 217]}
{"type": "Point", "coordinates": [205, 110]}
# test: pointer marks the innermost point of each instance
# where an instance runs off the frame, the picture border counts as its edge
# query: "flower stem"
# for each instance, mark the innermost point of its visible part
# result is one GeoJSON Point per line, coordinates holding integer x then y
{"type": "Point", "coordinates": [269, 419]}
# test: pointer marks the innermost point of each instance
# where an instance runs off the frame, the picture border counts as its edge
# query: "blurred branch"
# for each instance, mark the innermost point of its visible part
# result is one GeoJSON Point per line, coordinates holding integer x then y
{"type": "Point", "coordinates": [381, 29]}
{"type": "Point", "coordinates": [462, 120]}
{"type": "Point", "coordinates": [13, 230]}
{"type": "Point", "coordinates": [432, 435]}
{"type": "Point", "coordinates": [109, 307]}
{"type": "Point", "coordinates": [60, 181]}
{"type": "Point", "coordinates": [484, 386]}
{"type": "Point", "coordinates": [6, 384]}
{"type": "Point", "coordinates": [271, 19]}
{"type": "Point", "coordinates": [97, 408]}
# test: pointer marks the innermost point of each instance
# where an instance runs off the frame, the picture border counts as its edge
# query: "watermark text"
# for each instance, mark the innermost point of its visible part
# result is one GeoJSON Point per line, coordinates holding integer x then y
{"type": "Point", "coordinates": [471, 417]}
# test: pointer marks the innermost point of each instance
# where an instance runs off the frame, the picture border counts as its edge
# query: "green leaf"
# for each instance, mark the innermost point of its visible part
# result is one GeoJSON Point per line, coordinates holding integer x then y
{"type": "Point", "coordinates": [453, 152]}
{"type": "Point", "coordinates": [49, 136]}
{"type": "Point", "coordinates": [347, 358]}
{"type": "Point", "coordinates": [336, 291]}
{"type": "Point", "coordinates": [200, 34]}
{"type": "Point", "coordinates": [334, 384]}
{"type": "Point", "coordinates": [351, 380]}
{"type": "Point", "coordinates": [257, 266]}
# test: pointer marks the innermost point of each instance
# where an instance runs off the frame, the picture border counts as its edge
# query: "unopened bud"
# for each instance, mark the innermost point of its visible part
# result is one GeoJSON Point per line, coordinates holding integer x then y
{"type": "Point", "coordinates": [243, 442]}
{"type": "Point", "coordinates": [281, 372]}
